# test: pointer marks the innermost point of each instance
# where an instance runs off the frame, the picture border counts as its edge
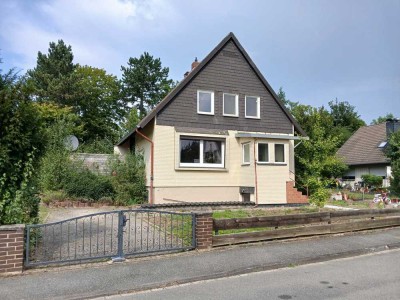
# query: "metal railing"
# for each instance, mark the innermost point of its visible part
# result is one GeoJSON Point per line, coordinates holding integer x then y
{"type": "Point", "coordinates": [112, 234]}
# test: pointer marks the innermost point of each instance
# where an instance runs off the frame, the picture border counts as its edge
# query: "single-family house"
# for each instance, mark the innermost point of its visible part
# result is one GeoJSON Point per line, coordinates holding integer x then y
{"type": "Point", "coordinates": [364, 152]}
{"type": "Point", "coordinates": [221, 135]}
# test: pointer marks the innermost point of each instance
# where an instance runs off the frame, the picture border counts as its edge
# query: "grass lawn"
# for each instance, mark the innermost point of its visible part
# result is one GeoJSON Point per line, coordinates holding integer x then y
{"type": "Point", "coordinates": [43, 213]}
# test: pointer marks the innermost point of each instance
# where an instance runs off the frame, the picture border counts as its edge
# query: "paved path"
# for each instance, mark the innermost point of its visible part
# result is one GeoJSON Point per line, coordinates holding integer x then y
{"type": "Point", "coordinates": [151, 272]}
{"type": "Point", "coordinates": [372, 276]}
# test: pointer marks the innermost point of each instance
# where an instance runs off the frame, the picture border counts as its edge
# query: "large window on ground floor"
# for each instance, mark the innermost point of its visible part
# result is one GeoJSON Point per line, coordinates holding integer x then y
{"type": "Point", "coordinates": [196, 152]}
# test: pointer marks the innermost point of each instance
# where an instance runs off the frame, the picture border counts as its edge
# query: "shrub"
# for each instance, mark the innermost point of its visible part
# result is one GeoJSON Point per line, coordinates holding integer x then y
{"type": "Point", "coordinates": [50, 196]}
{"type": "Point", "coordinates": [129, 179]}
{"type": "Point", "coordinates": [372, 180]}
{"type": "Point", "coordinates": [319, 197]}
{"type": "Point", "coordinates": [80, 182]}
{"type": "Point", "coordinates": [55, 163]}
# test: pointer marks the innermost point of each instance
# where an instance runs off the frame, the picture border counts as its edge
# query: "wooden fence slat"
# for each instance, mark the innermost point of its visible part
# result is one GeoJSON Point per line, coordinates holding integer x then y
{"type": "Point", "coordinates": [272, 221]}
{"type": "Point", "coordinates": [230, 239]}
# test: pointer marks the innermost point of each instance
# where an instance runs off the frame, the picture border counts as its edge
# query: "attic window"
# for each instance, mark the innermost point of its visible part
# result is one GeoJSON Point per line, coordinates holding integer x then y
{"type": "Point", "coordinates": [252, 107]}
{"type": "Point", "coordinates": [382, 145]}
{"type": "Point", "coordinates": [205, 102]}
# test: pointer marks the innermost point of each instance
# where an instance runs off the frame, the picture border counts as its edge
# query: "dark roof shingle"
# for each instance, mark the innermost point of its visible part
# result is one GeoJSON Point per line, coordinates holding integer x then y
{"type": "Point", "coordinates": [362, 147]}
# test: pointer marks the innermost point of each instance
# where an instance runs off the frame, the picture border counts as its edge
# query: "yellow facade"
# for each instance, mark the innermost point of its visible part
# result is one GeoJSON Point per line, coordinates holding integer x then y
{"type": "Point", "coordinates": [176, 184]}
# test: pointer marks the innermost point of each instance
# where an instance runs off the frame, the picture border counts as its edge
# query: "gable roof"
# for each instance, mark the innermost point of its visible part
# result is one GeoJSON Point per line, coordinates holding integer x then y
{"type": "Point", "coordinates": [198, 69]}
{"type": "Point", "coordinates": [362, 147]}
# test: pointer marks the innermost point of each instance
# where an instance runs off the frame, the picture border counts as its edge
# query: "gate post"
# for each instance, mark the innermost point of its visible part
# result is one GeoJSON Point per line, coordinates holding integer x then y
{"type": "Point", "coordinates": [204, 230]}
{"type": "Point", "coordinates": [120, 252]}
{"type": "Point", "coordinates": [11, 248]}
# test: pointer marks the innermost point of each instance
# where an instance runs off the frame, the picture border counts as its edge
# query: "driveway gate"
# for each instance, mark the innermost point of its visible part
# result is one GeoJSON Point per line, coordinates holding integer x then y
{"type": "Point", "coordinates": [112, 234]}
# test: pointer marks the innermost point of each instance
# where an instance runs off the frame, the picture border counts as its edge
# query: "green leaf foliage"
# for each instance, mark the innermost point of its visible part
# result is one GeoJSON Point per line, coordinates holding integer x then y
{"type": "Point", "coordinates": [21, 144]}
{"type": "Point", "coordinates": [393, 153]}
{"type": "Point", "coordinates": [145, 82]}
{"type": "Point", "coordinates": [382, 119]}
{"type": "Point", "coordinates": [372, 180]}
{"type": "Point", "coordinates": [129, 179]}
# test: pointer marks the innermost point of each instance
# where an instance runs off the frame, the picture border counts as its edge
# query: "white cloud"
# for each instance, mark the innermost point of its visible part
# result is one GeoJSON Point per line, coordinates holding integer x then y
{"type": "Point", "coordinates": [100, 32]}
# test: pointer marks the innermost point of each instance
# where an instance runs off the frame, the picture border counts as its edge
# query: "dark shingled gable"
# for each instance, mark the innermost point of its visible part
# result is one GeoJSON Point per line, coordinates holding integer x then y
{"type": "Point", "coordinates": [362, 147]}
{"type": "Point", "coordinates": [182, 85]}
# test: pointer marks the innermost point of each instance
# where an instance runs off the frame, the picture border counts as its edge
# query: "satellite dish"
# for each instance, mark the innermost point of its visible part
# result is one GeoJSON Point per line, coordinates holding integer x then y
{"type": "Point", "coordinates": [71, 142]}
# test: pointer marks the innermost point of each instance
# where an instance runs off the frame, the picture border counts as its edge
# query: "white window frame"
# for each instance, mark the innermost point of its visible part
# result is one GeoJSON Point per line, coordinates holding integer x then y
{"type": "Point", "coordinates": [236, 105]}
{"type": "Point", "coordinates": [258, 108]}
{"type": "Point", "coordinates": [284, 154]}
{"type": "Point", "coordinates": [201, 164]}
{"type": "Point", "coordinates": [212, 103]}
{"type": "Point", "coordinates": [258, 157]}
{"type": "Point", "coordinates": [243, 161]}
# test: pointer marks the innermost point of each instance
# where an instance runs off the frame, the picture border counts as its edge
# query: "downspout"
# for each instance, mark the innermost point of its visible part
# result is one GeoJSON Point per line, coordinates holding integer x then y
{"type": "Point", "coordinates": [255, 172]}
{"type": "Point", "coordinates": [151, 163]}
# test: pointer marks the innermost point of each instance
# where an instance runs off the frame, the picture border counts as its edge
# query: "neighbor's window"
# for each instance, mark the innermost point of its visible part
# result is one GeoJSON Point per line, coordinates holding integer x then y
{"type": "Point", "coordinates": [246, 153]}
{"type": "Point", "coordinates": [262, 152]}
{"type": "Point", "coordinates": [205, 102]}
{"type": "Point", "coordinates": [252, 107]}
{"type": "Point", "coordinates": [231, 105]}
{"type": "Point", "coordinates": [279, 153]}
{"type": "Point", "coordinates": [201, 152]}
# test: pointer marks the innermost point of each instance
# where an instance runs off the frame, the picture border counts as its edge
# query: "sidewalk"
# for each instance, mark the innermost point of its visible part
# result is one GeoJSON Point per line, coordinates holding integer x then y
{"type": "Point", "coordinates": [151, 272]}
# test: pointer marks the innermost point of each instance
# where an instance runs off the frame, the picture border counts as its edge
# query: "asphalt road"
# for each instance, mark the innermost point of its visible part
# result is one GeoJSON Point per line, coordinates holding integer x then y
{"type": "Point", "coordinates": [373, 276]}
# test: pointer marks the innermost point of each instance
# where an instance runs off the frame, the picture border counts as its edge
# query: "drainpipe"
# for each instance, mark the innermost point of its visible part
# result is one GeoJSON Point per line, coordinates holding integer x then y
{"type": "Point", "coordinates": [255, 172]}
{"type": "Point", "coordinates": [151, 163]}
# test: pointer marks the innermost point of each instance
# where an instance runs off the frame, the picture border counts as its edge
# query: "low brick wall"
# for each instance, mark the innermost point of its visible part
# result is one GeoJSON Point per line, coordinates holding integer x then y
{"type": "Point", "coordinates": [11, 248]}
{"type": "Point", "coordinates": [204, 230]}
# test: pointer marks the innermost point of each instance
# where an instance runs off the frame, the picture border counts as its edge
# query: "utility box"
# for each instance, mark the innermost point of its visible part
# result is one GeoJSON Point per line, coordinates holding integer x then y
{"type": "Point", "coordinates": [246, 191]}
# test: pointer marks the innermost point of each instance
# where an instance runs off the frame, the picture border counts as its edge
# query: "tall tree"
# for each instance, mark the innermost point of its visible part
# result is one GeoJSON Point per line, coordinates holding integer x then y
{"type": "Point", "coordinates": [145, 82]}
{"type": "Point", "coordinates": [315, 159]}
{"type": "Point", "coordinates": [21, 143]}
{"type": "Point", "coordinates": [98, 103]}
{"type": "Point", "coordinates": [345, 120]}
{"type": "Point", "coordinates": [289, 104]}
{"type": "Point", "coordinates": [53, 77]}
{"type": "Point", "coordinates": [393, 153]}
{"type": "Point", "coordinates": [382, 119]}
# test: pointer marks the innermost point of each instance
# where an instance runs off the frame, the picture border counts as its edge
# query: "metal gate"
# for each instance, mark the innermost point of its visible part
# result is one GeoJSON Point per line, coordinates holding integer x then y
{"type": "Point", "coordinates": [114, 234]}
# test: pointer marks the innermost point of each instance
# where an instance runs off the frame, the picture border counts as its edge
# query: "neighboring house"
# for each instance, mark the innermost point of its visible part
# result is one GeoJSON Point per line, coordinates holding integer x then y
{"type": "Point", "coordinates": [220, 135]}
{"type": "Point", "coordinates": [364, 152]}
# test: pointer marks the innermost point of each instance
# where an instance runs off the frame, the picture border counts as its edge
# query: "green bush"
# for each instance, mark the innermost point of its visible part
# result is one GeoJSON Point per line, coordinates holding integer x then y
{"type": "Point", "coordinates": [319, 197]}
{"type": "Point", "coordinates": [129, 179]}
{"type": "Point", "coordinates": [49, 196]}
{"type": "Point", "coordinates": [80, 182]}
{"type": "Point", "coordinates": [372, 180]}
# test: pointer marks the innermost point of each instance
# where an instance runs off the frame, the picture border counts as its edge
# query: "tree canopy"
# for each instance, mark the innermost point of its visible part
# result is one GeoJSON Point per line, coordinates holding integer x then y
{"type": "Point", "coordinates": [145, 82]}
{"type": "Point", "coordinates": [382, 119]}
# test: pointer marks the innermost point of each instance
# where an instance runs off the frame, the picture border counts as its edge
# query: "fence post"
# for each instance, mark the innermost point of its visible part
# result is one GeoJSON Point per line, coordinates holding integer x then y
{"type": "Point", "coordinates": [204, 230]}
{"type": "Point", "coordinates": [121, 223]}
{"type": "Point", "coordinates": [11, 248]}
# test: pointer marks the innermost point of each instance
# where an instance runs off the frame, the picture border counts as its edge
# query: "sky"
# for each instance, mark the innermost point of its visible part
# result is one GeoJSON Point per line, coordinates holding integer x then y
{"type": "Point", "coordinates": [317, 50]}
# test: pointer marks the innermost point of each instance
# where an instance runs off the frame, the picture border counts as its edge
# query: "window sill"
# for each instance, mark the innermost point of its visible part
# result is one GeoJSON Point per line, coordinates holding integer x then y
{"type": "Point", "coordinates": [231, 116]}
{"type": "Point", "coordinates": [245, 164]}
{"type": "Point", "coordinates": [201, 169]}
{"type": "Point", "coordinates": [271, 164]}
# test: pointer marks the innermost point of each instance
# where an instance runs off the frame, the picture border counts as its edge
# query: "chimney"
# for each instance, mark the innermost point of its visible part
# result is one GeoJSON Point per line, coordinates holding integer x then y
{"type": "Point", "coordinates": [392, 125]}
{"type": "Point", "coordinates": [195, 63]}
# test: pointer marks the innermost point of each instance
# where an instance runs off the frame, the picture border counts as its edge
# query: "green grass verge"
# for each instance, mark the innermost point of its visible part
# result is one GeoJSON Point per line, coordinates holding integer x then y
{"type": "Point", "coordinates": [43, 213]}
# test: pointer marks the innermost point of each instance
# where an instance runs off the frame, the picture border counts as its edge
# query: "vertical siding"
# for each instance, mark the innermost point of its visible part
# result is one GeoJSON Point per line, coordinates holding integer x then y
{"type": "Point", "coordinates": [228, 72]}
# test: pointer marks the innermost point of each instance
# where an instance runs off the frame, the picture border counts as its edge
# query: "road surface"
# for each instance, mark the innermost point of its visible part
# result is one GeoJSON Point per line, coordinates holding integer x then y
{"type": "Point", "coordinates": [373, 276]}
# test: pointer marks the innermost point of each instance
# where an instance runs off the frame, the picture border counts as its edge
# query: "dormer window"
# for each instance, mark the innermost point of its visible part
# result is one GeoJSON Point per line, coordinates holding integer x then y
{"type": "Point", "coordinates": [205, 102]}
{"type": "Point", "coordinates": [252, 107]}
